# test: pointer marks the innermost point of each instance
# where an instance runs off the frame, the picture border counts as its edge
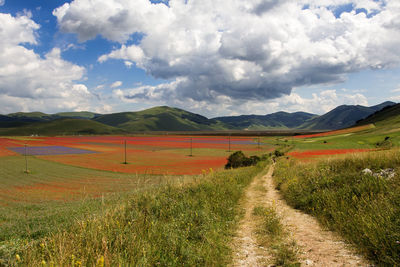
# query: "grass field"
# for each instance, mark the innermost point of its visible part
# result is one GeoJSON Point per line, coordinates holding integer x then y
{"type": "Point", "coordinates": [61, 190]}
{"type": "Point", "coordinates": [54, 196]}
{"type": "Point", "coordinates": [183, 223]}
{"type": "Point", "coordinates": [172, 204]}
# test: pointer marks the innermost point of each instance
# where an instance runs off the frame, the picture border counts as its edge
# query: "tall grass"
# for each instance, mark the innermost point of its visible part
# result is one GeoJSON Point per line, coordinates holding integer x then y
{"type": "Point", "coordinates": [363, 208]}
{"type": "Point", "coordinates": [189, 225]}
{"type": "Point", "coordinates": [35, 205]}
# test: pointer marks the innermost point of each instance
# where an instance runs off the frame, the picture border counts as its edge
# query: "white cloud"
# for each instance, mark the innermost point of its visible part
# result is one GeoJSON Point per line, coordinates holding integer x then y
{"type": "Point", "coordinates": [395, 90]}
{"type": "Point", "coordinates": [395, 98]}
{"type": "Point", "coordinates": [245, 51]}
{"type": "Point", "coordinates": [116, 84]}
{"type": "Point", "coordinates": [2, 2]}
{"type": "Point", "coordinates": [31, 82]}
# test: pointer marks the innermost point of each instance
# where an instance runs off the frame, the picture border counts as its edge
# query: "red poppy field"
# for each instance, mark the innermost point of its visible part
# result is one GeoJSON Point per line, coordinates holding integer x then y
{"type": "Point", "coordinates": [171, 155]}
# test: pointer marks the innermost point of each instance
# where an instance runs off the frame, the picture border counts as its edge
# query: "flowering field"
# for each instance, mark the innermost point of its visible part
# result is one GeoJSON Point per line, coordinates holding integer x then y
{"type": "Point", "coordinates": [171, 155]}
{"type": "Point", "coordinates": [48, 150]}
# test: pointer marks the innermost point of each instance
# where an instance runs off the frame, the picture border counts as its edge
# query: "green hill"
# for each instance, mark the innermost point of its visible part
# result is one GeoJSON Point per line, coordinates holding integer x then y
{"type": "Point", "coordinates": [389, 115]}
{"type": "Point", "coordinates": [30, 116]}
{"type": "Point", "coordinates": [342, 117]}
{"type": "Point", "coordinates": [77, 115]}
{"type": "Point", "coordinates": [278, 120]}
{"type": "Point", "coordinates": [160, 119]}
{"type": "Point", "coordinates": [61, 127]}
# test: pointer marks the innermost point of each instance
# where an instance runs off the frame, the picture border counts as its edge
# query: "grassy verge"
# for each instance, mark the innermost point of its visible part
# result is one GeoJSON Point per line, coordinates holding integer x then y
{"type": "Point", "coordinates": [169, 226]}
{"type": "Point", "coordinates": [364, 208]}
{"type": "Point", "coordinates": [272, 234]}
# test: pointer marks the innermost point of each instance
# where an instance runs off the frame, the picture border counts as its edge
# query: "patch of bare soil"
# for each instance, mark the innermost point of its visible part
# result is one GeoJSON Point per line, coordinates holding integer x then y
{"type": "Point", "coordinates": [318, 247]}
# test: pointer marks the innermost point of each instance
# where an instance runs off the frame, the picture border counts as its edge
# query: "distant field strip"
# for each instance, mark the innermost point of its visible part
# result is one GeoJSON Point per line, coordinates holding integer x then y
{"type": "Point", "coordinates": [195, 140]}
{"type": "Point", "coordinates": [49, 150]}
{"type": "Point", "coordinates": [324, 152]}
{"type": "Point", "coordinates": [337, 132]}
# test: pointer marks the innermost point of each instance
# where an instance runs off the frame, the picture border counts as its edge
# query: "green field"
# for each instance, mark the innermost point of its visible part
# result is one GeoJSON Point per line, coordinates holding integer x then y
{"type": "Point", "coordinates": [54, 196]}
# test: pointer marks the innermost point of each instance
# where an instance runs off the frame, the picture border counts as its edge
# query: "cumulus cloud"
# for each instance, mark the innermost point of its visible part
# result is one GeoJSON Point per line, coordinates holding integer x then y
{"type": "Point", "coordinates": [397, 90]}
{"type": "Point", "coordinates": [245, 51]}
{"type": "Point", "coordinates": [116, 84]}
{"type": "Point", "coordinates": [31, 82]}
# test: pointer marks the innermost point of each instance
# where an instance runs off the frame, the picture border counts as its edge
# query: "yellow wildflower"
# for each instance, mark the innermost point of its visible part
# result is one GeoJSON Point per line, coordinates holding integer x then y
{"type": "Point", "coordinates": [100, 262]}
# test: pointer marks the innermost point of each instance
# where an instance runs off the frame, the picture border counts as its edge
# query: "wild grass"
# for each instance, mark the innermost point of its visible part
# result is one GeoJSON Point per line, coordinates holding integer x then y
{"type": "Point", "coordinates": [364, 208]}
{"type": "Point", "coordinates": [272, 234]}
{"type": "Point", "coordinates": [53, 195]}
{"type": "Point", "coordinates": [188, 225]}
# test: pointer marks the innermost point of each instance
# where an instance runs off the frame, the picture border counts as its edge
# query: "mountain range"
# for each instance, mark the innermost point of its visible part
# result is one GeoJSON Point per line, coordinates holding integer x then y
{"type": "Point", "coordinates": [165, 118]}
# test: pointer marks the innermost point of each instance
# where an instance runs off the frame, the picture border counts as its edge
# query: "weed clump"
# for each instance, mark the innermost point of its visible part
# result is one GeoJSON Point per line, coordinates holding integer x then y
{"type": "Point", "coordinates": [385, 144]}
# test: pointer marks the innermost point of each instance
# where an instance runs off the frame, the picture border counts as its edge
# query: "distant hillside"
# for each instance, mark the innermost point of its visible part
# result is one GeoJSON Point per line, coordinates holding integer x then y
{"type": "Point", "coordinates": [40, 116]}
{"type": "Point", "coordinates": [30, 116]}
{"type": "Point", "coordinates": [61, 127]}
{"type": "Point", "coordinates": [174, 119]}
{"type": "Point", "coordinates": [278, 120]}
{"type": "Point", "coordinates": [77, 115]}
{"type": "Point", "coordinates": [160, 119]}
{"type": "Point", "coordinates": [342, 117]}
{"type": "Point", "coordinates": [387, 115]}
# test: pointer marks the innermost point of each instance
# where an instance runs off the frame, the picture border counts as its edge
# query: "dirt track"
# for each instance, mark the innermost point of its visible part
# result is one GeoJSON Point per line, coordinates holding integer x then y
{"type": "Point", "coordinates": [318, 247]}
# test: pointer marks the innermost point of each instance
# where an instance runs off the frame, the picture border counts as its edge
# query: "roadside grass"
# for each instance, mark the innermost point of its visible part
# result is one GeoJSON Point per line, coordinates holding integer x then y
{"type": "Point", "coordinates": [363, 208]}
{"type": "Point", "coordinates": [173, 225]}
{"type": "Point", "coordinates": [272, 234]}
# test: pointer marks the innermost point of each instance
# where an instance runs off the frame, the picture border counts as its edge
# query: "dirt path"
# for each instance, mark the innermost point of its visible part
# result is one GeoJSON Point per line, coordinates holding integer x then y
{"type": "Point", "coordinates": [246, 250]}
{"type": "Point", "coordinates": [318, 247]}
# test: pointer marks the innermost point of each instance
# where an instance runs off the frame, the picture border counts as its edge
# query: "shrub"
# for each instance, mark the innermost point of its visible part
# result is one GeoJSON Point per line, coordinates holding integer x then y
{"type": "Point", "coordinates": [239, 159]}
{"type": "Point", "coordinates": [278, 153]}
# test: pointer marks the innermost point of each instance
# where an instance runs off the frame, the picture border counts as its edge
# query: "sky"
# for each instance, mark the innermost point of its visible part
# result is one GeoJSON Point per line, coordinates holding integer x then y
{"type": "Point", "coordinates": [211, 57]}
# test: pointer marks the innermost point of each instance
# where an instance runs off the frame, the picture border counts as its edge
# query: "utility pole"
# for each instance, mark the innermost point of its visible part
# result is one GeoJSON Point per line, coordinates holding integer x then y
{"type": "Point", "coordinates": [125, 154]}
{"type": "Point", "coordinates": [26, 160]}
{"type": "Point", "coordinates": [191, 147]}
